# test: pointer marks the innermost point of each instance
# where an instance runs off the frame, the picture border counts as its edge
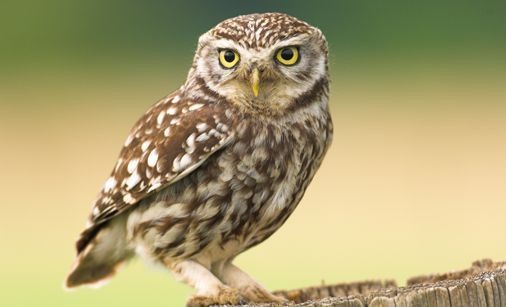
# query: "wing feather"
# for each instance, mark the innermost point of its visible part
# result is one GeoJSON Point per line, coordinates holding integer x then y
{"type": "Point", "coordinates": [172, 139]}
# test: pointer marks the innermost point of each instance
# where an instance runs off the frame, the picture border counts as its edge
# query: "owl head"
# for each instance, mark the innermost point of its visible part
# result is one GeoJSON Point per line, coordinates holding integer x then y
{"type": "Point", "coordinates": [262, 63]}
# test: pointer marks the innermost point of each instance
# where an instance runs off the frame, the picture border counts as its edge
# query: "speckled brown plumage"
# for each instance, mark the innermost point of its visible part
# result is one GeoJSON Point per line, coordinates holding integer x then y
{"type": "Point", "coordinates": [213, 168]}
{"type": "Point", "coordinates": [260, 30]}
{"type": "Point", "coordinates": [174, 136]}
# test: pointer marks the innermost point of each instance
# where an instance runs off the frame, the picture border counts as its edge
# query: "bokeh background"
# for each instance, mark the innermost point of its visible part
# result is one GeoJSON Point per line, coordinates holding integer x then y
{"type": "Point", "coordinates": [414, 183]}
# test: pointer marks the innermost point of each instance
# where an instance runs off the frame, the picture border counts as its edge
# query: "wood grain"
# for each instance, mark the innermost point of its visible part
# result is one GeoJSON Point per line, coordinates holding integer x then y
{"type": "Point", "coordinates": [482, 285]}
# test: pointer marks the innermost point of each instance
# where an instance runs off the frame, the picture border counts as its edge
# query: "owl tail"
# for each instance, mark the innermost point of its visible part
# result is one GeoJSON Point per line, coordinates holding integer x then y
{"type": "Point", "coordinates": [99, 260]}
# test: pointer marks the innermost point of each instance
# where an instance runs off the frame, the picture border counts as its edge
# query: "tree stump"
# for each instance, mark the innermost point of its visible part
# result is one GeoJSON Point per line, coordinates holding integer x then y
{"type": "Point", "coordinates": [484, 284]}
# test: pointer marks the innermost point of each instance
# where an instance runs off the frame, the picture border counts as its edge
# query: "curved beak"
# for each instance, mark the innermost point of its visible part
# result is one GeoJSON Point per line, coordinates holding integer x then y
{"type": "Point", "coordinates": [255, 81]}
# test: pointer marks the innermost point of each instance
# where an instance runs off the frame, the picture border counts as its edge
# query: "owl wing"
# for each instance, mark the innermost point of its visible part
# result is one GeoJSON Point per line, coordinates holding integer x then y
{"type": "Point", "coordinates": [173, 138]}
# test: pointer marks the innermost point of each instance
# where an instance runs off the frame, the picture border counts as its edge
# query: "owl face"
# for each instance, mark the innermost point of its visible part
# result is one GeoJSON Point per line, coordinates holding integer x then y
{"type": "Point", "coordinates": [262, 63]}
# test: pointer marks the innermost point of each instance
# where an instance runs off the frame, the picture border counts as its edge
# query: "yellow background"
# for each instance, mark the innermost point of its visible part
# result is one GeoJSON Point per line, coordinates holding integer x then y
{"type": "Point", "coordinates": [415, 181]}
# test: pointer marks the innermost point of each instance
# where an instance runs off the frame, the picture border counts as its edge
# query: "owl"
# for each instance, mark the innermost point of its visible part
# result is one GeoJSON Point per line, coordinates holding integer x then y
{"type": "Point", "coordinates": [219, 165]}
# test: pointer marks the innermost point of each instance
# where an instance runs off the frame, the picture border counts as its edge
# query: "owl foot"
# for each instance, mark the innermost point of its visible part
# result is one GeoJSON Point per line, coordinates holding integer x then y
{"type": "Point", "coordinates": [248, 287]}
{"type": "Point", "coordinates": [226, 296]}
{"type": "Point", "coordinates": [258, 294]}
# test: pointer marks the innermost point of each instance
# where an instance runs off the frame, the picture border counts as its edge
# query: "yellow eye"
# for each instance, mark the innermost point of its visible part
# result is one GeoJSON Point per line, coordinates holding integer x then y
{"type": "Point", "coordinates": [288, 56]}
{"type": "Point", "coordinates": [228, 58]}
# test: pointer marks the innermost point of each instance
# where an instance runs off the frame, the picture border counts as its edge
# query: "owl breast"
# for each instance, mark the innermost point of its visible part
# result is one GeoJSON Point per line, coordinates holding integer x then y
{"type": "Point", "coordinates": [239, 196]}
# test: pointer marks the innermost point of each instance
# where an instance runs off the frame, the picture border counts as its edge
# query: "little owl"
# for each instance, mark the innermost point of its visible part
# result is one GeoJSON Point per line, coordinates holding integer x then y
{"type": "Point", "coordinates": [217, 166]}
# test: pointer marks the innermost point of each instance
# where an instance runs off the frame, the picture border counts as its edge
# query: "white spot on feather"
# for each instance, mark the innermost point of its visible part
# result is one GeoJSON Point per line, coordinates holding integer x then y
{"type": "Point", "coordinates": [133, 180]}
{"type": "Point", "coordinates": [180, 163]}
{"type": "Point", "coordinates": [159, 119]}
{"type": "Point", "coordinates": [190, 141]}
{"type": "Point", "coordinates": [176, 99]}
{"type": "Point", "coordinates": [129, 140]}
{"type": "Point", "coordinates": [215, 133]}
{"type": "Point", "coordinates": [222, 127]}
{"type": "Point", "coordinates": [96, 211]}
{"type": "Point", "coordinates": [171, 111]}
{"type": "Point", "coordinates": [106, 200]}
{"type": "Point", "coordinates": [132, 165]}
{"type": "Point", "coordinates": [166, 132]}
{"type": "Point", "coordinates": [176, 164]}
{"type": "Point", "coordinates": [153, 158]}
{"type": "Point", "coordinates": [202, 138]}
{"type": "Point", "coordinates": [155, 184]}
{"type": "Point", "coordinates": [145, 145]}
{"type": "Point", "coordinates": [185, 161]}
{"type": "Point", "coordinates": [202, 127]}
{"type": "Point", "coordinates": [195, 106]}
{"type": "Point", "coordinates": [127, 198]}
{"type": "Point", "coordinates": [118, 164]}
{"type": "Point", "coordinates": [109, 184]}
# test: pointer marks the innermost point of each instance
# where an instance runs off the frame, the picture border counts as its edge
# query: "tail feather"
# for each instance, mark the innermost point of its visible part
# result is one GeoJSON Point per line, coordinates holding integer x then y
{"type": "Point", "coordinates": [87, 236]}
{"type": "Point", "coordinates": [87, 272]}
{"type": "Point", "coordinates": [99, 259]}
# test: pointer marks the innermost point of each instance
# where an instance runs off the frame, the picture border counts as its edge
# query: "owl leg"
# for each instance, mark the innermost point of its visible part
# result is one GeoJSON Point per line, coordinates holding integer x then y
{"type": "Point", "coordinates": [247, 286]}
{"type": "Point", "coordinates": [209, 289]}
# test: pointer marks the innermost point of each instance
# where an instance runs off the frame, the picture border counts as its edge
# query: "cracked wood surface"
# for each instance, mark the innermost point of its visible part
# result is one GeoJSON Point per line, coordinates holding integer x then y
{"type": "Point", "coordinates": [483, 284]}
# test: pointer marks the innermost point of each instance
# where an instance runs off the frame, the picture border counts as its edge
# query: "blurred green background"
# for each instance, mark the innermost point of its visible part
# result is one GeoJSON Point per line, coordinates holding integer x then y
{"type": "Point", "coordinates": [415, 181]}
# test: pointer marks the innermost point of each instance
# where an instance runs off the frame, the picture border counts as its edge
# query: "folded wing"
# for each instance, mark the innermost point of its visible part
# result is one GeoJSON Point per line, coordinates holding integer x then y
{"type": "Point", "coordinates": [172, 139]}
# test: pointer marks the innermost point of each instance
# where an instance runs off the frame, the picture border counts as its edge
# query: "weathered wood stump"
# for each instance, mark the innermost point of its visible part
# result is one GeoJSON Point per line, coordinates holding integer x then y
{"type": "Point", "coordinates": [484, 284]}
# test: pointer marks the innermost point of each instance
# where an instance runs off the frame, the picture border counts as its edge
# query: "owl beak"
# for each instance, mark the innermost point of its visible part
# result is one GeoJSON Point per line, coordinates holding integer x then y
{"type": "Point", "coordinates": [255, 81]}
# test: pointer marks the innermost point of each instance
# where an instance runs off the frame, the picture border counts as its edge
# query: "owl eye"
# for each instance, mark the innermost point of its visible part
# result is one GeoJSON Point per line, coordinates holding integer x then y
{"type": "Point", "coordinates": [288, 56]}
{"type": "Point", "coordinates": [228, 58]}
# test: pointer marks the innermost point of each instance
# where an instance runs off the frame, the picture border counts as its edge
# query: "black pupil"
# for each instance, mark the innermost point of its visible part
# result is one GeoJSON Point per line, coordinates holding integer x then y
{"type": "Point", "coordinates": [229, 56]}
{"type": "Point", "coordinates": [287, 54]}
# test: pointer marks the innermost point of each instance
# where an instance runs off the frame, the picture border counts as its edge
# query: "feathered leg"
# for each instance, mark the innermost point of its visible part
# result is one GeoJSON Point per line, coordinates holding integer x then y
{"type": "Point", "coordinates": [209, 289]}
{"type": "Point", "coordinates": [247, 286]}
